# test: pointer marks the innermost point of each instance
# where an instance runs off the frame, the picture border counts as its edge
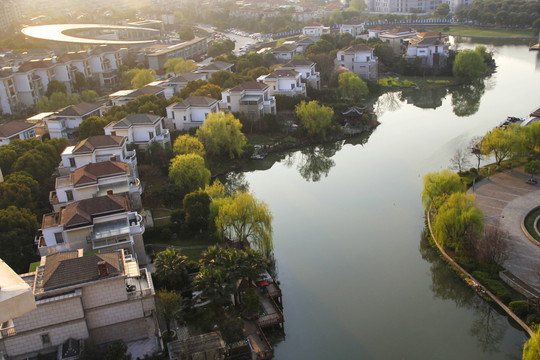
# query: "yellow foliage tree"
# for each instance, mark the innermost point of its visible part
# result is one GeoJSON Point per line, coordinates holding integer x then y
{"type": "Point", "coordinates": [221, 135]}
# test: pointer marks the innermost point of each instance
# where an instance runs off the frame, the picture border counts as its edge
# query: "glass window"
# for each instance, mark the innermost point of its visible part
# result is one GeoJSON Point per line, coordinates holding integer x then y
{"type": "Point", "coordinates": [71, 162]}
{"type": "Point", "coordinates": [69, 195]}
{"type": "Point", "coordinates": [59, 238]}
{"type": "Point", "coordinates": [151, 135]}
{"type": "Point", "coordinates": [45, 339]}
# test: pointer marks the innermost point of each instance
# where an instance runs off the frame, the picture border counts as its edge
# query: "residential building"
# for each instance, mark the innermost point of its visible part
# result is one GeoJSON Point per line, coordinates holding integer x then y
{"type": "Point", "coordinates": [355, 29]}
{"type": "Point", "coordinates": [303, 43]}
{"type": "Point", "coordinates": [97, 149]}
{"type": "Point", "coordinates": [140, 129]}
{"type": "Point", "coordinates": [105, 61]}
{"type": "Point", "coordinates": [215, 67]}
{"type": "Point", "coordinates": [64, 122]}
{"type": "Point", "coordinates": [204, 346]}
{"type": "Point", "coordinates": [456, 5]}
{"type": "Point", "coordinates": [285, 52]}
{"type": "Point", "coordinates": [284, 82]}
{"type": "Point", "coordinates": [179, 82]}
{"type": "Point", "coordinates": [102, 223]}
{"type": "Point", "coordinates": [251, 98]}
{"type": "Point", "coordinates": [9, 14]}
{"type": "Point", "coordinates": [360, 60]}
{"type": "Point", "coordinates": [121, 97]}
{"type": "Point", "coordinates": [16, 297]}
{"type": "Point", "coordinates": [16, 130]}
{"type": "Point", "coordinates": [402, 6]}
{"type": "Point", "coordinates": [96, 179]}
{"type": "Point", "coordinates": [32, 79]}
{"type": "Point", "coordinates": [398, 39]}
{"type": "Point", "coordinates": [191, 112]}
{"type": "Point", "coordinates": [9, 99]}
{"type": "Point", "coordinates": [158, 54]}
{"type": "Point", "coordinates": [97, 297]}
{"type": "Point", "coordinates": [430, 47]}
{"type": "Point", "coordinates": [306, 68]}
{"type": "Point", "coordinates": [314, 29]}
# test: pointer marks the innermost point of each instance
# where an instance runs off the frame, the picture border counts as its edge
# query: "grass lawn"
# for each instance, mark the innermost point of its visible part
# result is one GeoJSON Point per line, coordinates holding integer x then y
{"type": "Point", "coordinates": [529, 224]}
{"type": "Point", "coordinates": [427, 81]}
{"type": "Point", "coordinates": [262, 139]}
{"type": "Point", "coordinates": [33, 266]}
{"type": "Point", "coordinates": [156, 213]}
{"type": "Point", "coordinates": [193, 240]}
{"type": "Point", "coordinates": [162, 222]}
{"type": "Point", "coordinates": [473, 31]}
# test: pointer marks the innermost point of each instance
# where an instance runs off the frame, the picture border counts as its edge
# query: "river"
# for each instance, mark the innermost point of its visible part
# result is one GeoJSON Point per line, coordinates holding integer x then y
{"type": "Point", "coordinates": [358, 280]}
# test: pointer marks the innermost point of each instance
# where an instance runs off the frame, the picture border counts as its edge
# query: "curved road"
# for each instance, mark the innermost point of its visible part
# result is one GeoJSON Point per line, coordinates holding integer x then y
{"type": "Point", "coordinates": [509, 195]}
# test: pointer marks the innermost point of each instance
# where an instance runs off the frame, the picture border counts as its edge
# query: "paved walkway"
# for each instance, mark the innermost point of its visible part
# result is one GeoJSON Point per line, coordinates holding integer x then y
{"type": "Point", "coordinates": [509, 195]}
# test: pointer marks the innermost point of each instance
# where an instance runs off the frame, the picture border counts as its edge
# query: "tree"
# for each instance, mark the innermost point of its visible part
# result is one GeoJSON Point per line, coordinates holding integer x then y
{"type": "Point", "coordinates": [191, 86]}
{"type": "Point", "coordinates": [493, 247]}
{"type": "Point", "coordinates": [15, 194]}
{"type": "Point", "coordinates": [500, 142]}
{"type": "Point", "coordinates": [189, 172]}
{"type": "Point", "coordinates": [531, 349]}
{"type": "Point", "coordinates": [18, 227]}
{"type": "Point", "coordinates": [209, 90]}
{"type": "Point", "coordinates": [197, 208]}
{"type": "Point", "coordinates": [246, 219]}
{"type": "Point", "coordinates": [80, 81]}
{"type": "Point", "coordinates": [469, 66]}
{"type": "Point", "coordinates": [221, 135]}
{"type": "Point", "coordinates": [187, 34]}
{"type": "Point", "coordinates": [315, 118]}
{"type": "Point", "coordinates": [320, 47]}
{"type": "Point", "coordinates": [187, 144]}
{"type": "Point", "coordinates": [252, 303]}
{"type": "Point", "coordinates": [89, 96]}
{"type": "Point", "coordinates": [171, 269]}
{"type": "Point", "coordinates": [142, 78]}
{"type": "Point", "coordinates": [460, 160]}
{"type": "Point", "coordinates": [91, 126]}
{"type": "Point", "coordinates": [232, 329]}
{"type": "Point", "coordinates": [351, 86]}
{"type": "Point", "coordinates": [532, 168]}
{"type": "Point", "coordinates": [179, 66]}
{"type": "Point", "coordinates": [7, 159]}
{"type": "Point", "coordinates": [35, 163]}
{"type": "Point", "coordinates": [442, 10]}
{"type": "Point", "coordinates": [216, 285]}
{"type": "Point", "coordinates": [55, 86]}
{"type": "Point", "coordinates": [219, 77]}
{"type": "Point", "coordinates": [438, 184]}
{"type": "Point", "coordinates": [476, 145]}
{"type": "Point", "coordinates": [168, 304]}
{"type": "Point", "coordinates": [24, 178]}
{"type": "Point", "coordinates": [458, 223]}
{"type": "Point", "coordinates": [357, 5]}
{"type": "Point", "coordinates": [117, 351]}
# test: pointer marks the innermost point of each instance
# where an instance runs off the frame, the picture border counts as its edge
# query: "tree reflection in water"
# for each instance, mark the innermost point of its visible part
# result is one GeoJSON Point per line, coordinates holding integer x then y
{"type": "Point", "coordinates": [488, 327]}
{"type": "Point", "coordinates": [387, 102]}
{"type": "Point", "coordinates": [466, 98]}
{"type": "Point", "coordinates": [425, 98]}
{"type": "Point", "coordinates": [235, 181]}
{"type": "Point", "coordinates": [314, 161]}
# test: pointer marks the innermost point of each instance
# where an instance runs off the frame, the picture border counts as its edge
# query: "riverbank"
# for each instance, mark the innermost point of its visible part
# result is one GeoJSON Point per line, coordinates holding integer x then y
{"type": "Point", "coordinates": [477, 32]}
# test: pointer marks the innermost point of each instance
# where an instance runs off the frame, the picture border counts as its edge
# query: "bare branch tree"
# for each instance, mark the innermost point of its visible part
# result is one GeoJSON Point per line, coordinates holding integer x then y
{"type": "Point", "coordinates": [494, 246]}
{"type": "Point", "coordinates": [475, 146]}
{"type": "Point", "coordinates": [460, 160]}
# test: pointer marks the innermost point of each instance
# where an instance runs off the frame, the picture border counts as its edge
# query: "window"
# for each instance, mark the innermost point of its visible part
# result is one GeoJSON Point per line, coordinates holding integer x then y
{"type": "Point", "coordinates": [45, 339]}
{"type": "Point", "coordinates": [184, 117]}
{"type": "Point", "coordinates": [228, 98]}
{"type": "Point", "coordinates": [71, 162]}
{"type": "Point", "coordinates": [59, 238]}
{"type": "Point", "coordinates": [292, 86]}
{"type": "Point", "coordinates": [69, 195]}
{"type": "Point", "coordinates": [342, 57]}
{"type": "Point", "coordinates": [151, 135]}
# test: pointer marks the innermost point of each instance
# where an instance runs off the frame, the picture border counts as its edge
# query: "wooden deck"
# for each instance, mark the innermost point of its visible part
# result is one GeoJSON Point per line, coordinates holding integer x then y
{"type": "Point", "coordinates": [272, 312]}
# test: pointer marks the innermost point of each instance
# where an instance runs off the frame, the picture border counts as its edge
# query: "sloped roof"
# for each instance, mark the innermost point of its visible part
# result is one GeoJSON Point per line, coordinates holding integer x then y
{"type": "Point", "coordinates": [250, 85]}
{"type": "Point", "coordinates": [146, 90]}
{"type": "Point", "coordinates": [79, 109]}
{"type": "Point", "coordinates": [194, 101]}
{"type": "Point", "coordinates": [428, 34]}
{"type": "Point", "coordinates": [35, 64]}
{"type": "Point", "coordinates": [90, 173]}
{"type": "Point", "coordinates": [67, 268]}
{"type": "Point", "coordinates": [276, 74]}
{"type": "Point", "coordinates": [136, 119]}
{"type": "Point", "coordinates": [82, 212]}
{"type": "Point", "coordinates": [314, 23]}
{"type": "Point", "coordinates": [81, 55]}
{"type": "Point", "coordinates": [298, 62]}
{"type": "Point", "coordinates": [285, 48]}
{"type": "Point", "coordinates": [14, 127]}
{"type": "Point", "coordinates": [103, 49]}
{"type": "Point", "coordinates": [190, 76]}
{"type": "Point", "coordinates": [99, 141]}
{"type": "Point", "coordinates": [356, 48]}
{"type": "Point", "coordinates": [535, 113]}
{"type": "Point", "coordinates": [216, 66]}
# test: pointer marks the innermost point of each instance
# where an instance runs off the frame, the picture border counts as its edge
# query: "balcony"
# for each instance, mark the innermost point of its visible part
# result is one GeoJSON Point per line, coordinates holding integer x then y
{"type": "Point", "coordinates": [53, 199]}
{"type": "Point", "coordinates": [48, 250]}
{"type": "Point", "coordinates": [136, 224]}
{"type": "Point", "coordinates": [135, 186]}
{"type": "Point", "coordinates": [139, 286]}
{"type": "Point", "coordinates": [7, 329]}
{"type": "Point", "coordinates": [163, 138]}
{"type": "Point", "coordinates": [110, 233]}
{"type": "Point", "coordinates": [131, 157]}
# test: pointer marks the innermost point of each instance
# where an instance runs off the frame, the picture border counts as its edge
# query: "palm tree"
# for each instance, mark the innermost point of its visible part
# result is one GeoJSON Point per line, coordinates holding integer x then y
{"type": "Point", "coordinates": [171, 268]}
{"type": "Point", "coordinates": [216, 285]}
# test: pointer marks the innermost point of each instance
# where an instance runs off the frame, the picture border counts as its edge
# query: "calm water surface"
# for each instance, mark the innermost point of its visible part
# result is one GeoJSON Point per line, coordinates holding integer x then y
{"type": "Point", "coordinates": [358, 281]}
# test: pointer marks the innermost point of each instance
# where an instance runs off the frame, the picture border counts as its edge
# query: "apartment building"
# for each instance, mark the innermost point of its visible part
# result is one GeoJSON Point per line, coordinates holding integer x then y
{"type": "Point", "coordinates": [284, 82]}
{"type": "Point", "coordinates": [97, 297]}
{"type": "Point", "coordinates": [97, 149]}
{"type": "Point", "coordinates": [191, 112]}
{"type": "Point", "coordinates": [94, 180]}
{"type": "Point", "coordinates": [158, 54]}
{"type": "Point", "coordinates": [251, 98]}
{"type": "Point", "coordinates": [355, 29]}
{"type": "Point", "coordinates": [360, 60]}
{"type": "Point", "coordinates": [314, 29]}
{"type": "Point", "coordinates": [430, 47]}
{"type": "Point", "coordinates": [102, 223]}
{"type": "Point", "coordinates": [140, 129]}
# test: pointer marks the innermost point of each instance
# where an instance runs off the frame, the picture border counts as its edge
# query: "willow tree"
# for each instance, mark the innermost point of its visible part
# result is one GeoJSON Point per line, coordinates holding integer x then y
{"type": "Point", "coordinates": [189, 172]}
{"type": "Point", "coordinates": [187, 144]}
{"type": "Point", "coordinates": [315, 118]}
{"type": "Point", "coordinates": [458, 222]}
{"type": "Point", "coordinates": [246, 219]}
{"type": "Point", "coordinates": [437, 184]}
{"type": "Point", "coordinates": [221, 135]}
{"type": "Point", "coordinates": [531, 349]}
{"type": "Point", "coordinates": [502, 143]}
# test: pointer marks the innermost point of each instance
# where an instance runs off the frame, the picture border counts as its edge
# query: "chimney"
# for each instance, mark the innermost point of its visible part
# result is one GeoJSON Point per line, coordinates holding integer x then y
{"type": "Point", "coordinates": [109, 192]}
{"type": "Point", "coordinates": [102, 269]}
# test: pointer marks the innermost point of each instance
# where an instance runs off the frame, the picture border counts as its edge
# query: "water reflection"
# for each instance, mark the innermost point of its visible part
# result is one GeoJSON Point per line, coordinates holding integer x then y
{"type": "Point", "coordinates": [488, 326]}
{"type": "Point", "coordinates": [387, 102]}
{"type": "Point", "coordinates": [466, 98]}
{"type": "Point", "coordinates": [426, 98]}
{"type": "Point", "coordinates": [537, 67]}
{"type": "Point", "coordinates": [314, 161]}
{"type": "Point", "coordinates": [235, 181]}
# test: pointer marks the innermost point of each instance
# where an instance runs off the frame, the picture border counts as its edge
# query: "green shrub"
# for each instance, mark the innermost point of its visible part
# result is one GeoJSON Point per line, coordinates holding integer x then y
{"type": "Point", "coordinates": [533, 319]}
{"type": "Point", "coordinates": [495, 286]}
{"type": "Point", "coordinates": [289, 140]}
{"type": "Point", "coordinates": [520, 308]}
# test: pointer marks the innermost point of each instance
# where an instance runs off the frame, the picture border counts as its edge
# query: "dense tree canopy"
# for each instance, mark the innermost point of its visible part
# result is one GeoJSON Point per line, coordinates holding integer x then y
{"type": "Point", "coordinates": [469, 66]}
{"type": "Point", "coordinates": [143, 77]}
{"type": "Point", "coordinates": [179, 66]}
{"type": "Point", "coordinates": [171, 269]}
{"type": "Point", "coordinates": [187, 144]}
{"type": "Point", "coordinates": [501, 143]}
{"type": "Point", "coordinates": [91, 126]}
{"type": "Point", "coordinates": [440, 184]}
{"type": "Point", "coordinates": [351, 86]}
{"type": "Point", "coordinates": [221, 135]}
{"type": "Point", "coordinates": [18, 226]}
{"type": "Point", "coordinates": [197, 208]}
{"type": "Point", "coordinates": [315, 118]}
{"type": "Point", "coordinates": [189, 172]}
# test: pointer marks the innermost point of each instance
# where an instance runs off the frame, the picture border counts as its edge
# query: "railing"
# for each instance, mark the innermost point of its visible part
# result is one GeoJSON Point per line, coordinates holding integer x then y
{"type": "Point", "coordinates": [53, 199]}
{"type": "Point", "coordinates": [10, 331]}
